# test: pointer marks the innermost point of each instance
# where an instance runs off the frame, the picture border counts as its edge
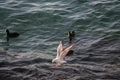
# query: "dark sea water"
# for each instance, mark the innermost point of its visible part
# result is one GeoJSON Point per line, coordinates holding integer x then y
{"type": "Point", "coordinates": [43, 23]}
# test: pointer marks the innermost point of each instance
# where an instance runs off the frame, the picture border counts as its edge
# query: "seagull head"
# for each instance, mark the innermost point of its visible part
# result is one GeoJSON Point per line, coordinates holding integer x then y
{"type": "Point", "coordinates": [58, 62]}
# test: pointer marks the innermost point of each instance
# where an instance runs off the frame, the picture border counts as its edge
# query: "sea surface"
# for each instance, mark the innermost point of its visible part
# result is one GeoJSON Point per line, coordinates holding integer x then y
{"type": "Point", "coordinates": [43, 23]}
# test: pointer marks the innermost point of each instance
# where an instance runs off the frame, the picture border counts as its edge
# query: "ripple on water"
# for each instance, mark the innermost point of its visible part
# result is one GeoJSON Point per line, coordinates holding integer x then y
{"type": "Point", "coordinates": [42, 24]}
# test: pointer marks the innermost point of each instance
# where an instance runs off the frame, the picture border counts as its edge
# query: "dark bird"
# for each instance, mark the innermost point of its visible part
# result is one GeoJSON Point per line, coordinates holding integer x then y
{"type": "Point", "coordinates": [11, 34]}
{"type": "Point", "coordinates": [71, 35]}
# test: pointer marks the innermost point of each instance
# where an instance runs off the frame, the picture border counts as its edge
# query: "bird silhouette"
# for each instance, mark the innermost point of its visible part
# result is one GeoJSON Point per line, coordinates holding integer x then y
{"type": "Point", "coordinates": [71, 35]}
{"type": "Point", "coordinates": [11, 34]}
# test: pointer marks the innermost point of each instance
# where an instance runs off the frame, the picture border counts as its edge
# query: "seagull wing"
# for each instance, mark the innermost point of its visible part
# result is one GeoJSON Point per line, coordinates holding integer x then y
{"type": "Point", "coordinates": [64, 53]}
{"type": "Point", "coordinates": [60, 48]}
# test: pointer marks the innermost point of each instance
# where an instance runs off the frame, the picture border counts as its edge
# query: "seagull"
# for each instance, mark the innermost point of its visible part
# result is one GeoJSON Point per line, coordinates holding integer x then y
{"type": "Point", "coordinates": [61, 53]}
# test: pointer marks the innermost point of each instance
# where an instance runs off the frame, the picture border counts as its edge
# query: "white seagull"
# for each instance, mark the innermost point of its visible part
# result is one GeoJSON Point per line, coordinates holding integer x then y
{"type": "Point", "coordinates": [61, 53]}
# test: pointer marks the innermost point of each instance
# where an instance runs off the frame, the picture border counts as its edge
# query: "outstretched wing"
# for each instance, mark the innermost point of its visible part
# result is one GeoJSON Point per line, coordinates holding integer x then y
{"type": "Point", "coordinates": [60, 48]}
{"type": "Point", "coordinates": [64, 53]}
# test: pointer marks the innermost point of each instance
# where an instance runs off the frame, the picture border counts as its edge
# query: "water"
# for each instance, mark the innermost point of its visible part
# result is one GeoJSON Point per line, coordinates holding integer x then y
{"type": "Point", "coordinates": [42, 24]}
